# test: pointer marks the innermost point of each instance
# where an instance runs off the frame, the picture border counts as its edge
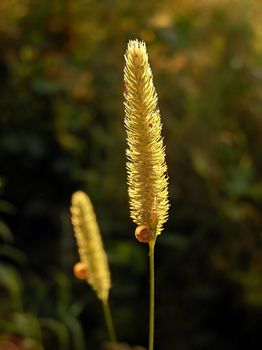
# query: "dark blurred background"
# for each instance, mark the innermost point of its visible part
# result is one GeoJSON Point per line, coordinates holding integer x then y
{"type": "Point", "coordinates": [61, 122]}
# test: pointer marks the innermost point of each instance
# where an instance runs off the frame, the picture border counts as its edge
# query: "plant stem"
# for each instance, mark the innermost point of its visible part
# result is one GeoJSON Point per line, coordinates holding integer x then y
{"type": "Point", "coordinates": [109, 323]}
{"type": "Point", "coordinates": [152, 295]}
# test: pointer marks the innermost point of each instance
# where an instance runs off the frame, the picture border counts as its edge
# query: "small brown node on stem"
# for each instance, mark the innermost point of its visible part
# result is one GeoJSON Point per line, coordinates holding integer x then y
{"type": "Point", "coordinates": [143, 234]}
{"type": "Point", "coordinates": [80, 271]}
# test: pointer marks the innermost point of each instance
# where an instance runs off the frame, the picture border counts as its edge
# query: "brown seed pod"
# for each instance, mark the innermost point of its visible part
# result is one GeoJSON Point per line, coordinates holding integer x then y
{"type": "Point", "coordinates": [80, 271]}
{"type": "Point", "coordinates": [143, 234]}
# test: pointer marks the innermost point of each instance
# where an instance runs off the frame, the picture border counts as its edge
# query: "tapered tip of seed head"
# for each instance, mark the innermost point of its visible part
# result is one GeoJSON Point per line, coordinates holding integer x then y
{"type": "Point", "coordinates": [136, 44]}
{"type": "Point", "coordinates": [79, 197]}
{"type": "Point", "coordinates": [136, 49]}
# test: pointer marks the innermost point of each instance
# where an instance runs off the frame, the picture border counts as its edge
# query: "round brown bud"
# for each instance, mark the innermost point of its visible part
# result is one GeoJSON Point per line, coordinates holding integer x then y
{"type": "Point", "coordinates": [80, 271]}
{"type": "Point", "coordinates": [143, 234]}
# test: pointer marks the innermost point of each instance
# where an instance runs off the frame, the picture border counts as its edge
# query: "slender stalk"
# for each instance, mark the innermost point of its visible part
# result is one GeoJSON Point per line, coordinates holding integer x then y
{"type": "Point", "coordinates": [109, 324]}
{"type": "Point", "coordinates": [152, 295]}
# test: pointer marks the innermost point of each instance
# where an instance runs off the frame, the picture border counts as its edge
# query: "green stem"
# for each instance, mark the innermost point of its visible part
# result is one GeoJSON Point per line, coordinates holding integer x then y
{"type": "Point", "coordinates": [152, 295]}
{"type": "Point", "coordinates": [109, 323]}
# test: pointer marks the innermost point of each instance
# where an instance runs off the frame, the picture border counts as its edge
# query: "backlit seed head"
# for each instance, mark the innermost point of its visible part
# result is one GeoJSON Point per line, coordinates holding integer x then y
{"type": "Point", "coordinates": [90, 245]}
{"type": "Point", "coordinates": [146, 166]}
{"type": "Point", "coordinates": [143, 234]}
{"type": "Point", "coordinates": [80, 271]}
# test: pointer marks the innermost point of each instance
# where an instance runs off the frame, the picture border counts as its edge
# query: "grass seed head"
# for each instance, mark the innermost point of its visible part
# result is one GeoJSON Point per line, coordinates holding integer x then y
{"type": "Point", "coordinates": [90, 246]}
{"type": "Point", "coordinates": [146, 165]}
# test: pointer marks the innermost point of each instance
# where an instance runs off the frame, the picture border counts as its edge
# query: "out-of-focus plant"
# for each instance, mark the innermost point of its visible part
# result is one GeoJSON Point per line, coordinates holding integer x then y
{"type": "Point", "coordinates": [17, 328]}
{"type": "Point", "coordinates": [93, 266]}
{"type": "Point", "coordinates": [23, 323]}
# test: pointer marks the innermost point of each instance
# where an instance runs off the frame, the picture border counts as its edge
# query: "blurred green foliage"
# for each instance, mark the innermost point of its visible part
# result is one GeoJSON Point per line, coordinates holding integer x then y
{"type": "Point", "coordinates": [61, 129]}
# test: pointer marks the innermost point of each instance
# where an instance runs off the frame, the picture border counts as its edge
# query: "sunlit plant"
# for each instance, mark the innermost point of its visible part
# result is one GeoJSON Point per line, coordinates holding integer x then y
{"type": "Point", "coordinates": [146, 165]}
{"type": "Point", "coordinates": [93, 265]}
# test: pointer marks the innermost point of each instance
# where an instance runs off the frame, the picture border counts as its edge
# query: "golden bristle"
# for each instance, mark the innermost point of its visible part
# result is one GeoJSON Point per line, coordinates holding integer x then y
{"type": "Point", "coordinates": [146, 165]}
{"type": "Point", "coordinates": [90, 245]}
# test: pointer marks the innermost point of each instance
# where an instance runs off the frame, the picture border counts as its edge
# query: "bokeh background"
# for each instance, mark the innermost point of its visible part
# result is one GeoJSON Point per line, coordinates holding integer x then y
{"type": "Point", "coordinates": [61, 102]}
